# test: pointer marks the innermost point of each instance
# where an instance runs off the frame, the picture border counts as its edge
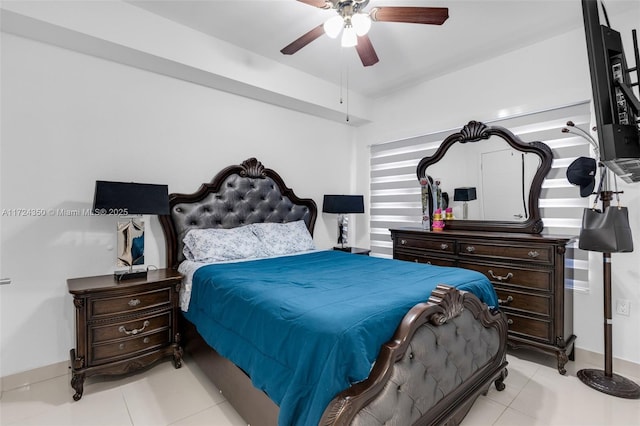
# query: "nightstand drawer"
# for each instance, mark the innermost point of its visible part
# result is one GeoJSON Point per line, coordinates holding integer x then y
{"type": "Point", "coordinates": [514, 276]}
{"type": "Point", "coordinates": [130, 303]}
{"type": "Point", "coordinates": [126, 347]}
{"type": "Point", "coordinates": [443, 246]}
{"type": "Point", "coordinates": [543, 255]}
{"type": "Point", "coordinates": [120, 330]}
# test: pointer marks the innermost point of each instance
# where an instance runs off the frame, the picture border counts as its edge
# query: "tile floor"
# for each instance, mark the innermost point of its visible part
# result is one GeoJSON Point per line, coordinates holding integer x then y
{"type": "Point", "coordinates": [535, 395]}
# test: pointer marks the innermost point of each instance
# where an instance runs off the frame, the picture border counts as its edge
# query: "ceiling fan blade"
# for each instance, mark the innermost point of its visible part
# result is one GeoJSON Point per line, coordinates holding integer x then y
{"type": "Point", "coordinates": [366, 51]}
{"type": "Point", "coordinates": [318, 3]}
{"type": "Point", "coordinates": [412, 15]}
{"type": "Point", "coordinates": [303, 40]}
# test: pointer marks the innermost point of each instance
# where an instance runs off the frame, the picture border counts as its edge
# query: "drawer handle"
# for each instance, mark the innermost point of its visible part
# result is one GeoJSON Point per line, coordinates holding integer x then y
{"type": "Point", "coordinates": [146, 340]}
{"type": "Point", "coordinates": [133, 302]}
{"type": "Point", "coordinates": [444, 246]}
{"type": "Point", "coordinates": [134, 331]}
{"type": "Point", "coordinates": [121, 346]}
{"type": "Point", "coordinates": [403, 242]}
{"type": "Point", "coordinates": [471, 249]}
{"type": "Point", "coordinates": [533, 254]}
{"type": "Point", "coordinates": [505, 302]}
{"type": "Point", "coordinates": [499, 278]}
{"type": "Point", "coordinates": [509, 321]}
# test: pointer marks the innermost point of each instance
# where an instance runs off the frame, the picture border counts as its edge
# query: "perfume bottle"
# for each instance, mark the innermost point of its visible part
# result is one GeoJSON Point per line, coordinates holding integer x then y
{"type": "Point", "coordinates": [438, 223]}
{"type": "Point", "coordinates": [448, 214]}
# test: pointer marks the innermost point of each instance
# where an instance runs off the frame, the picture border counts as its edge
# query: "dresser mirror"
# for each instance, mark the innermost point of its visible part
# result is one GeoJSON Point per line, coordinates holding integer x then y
{"type": "Point", "coordinates": [500, 175]}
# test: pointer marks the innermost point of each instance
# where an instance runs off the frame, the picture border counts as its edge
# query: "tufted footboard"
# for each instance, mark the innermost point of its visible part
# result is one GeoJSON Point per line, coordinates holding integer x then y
{"type": "Point", "coordinates": [443, 356]}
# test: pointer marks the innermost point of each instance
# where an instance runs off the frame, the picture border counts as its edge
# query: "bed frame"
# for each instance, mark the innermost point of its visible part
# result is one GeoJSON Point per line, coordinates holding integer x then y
{"type": "Point", "coordinates": [420, 376]}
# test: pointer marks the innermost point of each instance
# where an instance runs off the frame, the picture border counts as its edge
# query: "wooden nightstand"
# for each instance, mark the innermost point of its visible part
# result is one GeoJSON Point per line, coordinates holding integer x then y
{"type": "Point", "coordinates": [354, 250]}
{"type": "Point", "coordinates": [124, 326]}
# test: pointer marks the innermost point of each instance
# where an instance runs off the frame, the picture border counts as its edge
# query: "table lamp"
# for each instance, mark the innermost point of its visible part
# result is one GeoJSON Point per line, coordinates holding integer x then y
{"type": "Point", "coordinates": [126, 199]}
{"type": "Point", "coordinates": [464, 194]}
{"type": "Point", "coordinates": [342, 205]}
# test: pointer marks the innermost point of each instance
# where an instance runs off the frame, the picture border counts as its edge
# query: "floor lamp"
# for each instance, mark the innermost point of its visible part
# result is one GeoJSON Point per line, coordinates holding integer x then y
{"type": "Point", "coordinates": [606, 380]}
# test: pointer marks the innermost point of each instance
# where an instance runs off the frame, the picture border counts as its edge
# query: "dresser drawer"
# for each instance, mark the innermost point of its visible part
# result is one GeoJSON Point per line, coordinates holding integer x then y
{"type": "Point", "coordinates": [513, 275]}
{"type": "Point", "coordinates": [120, 330]}
{"type": "Point", "coordinates": [107, 352]}
{"type": "Point", "coordinates": [524, 326]}
{"type": "Point", "coordinates": [542, 255]}
{"type": "Point", "coordinates": [443, 246]}
{"type": "Point", "coordinates": [130, 303]}
{"type": "Point", "coordinates": [512, 300]}
{"type": "Point", "coordinates": [423, 258]}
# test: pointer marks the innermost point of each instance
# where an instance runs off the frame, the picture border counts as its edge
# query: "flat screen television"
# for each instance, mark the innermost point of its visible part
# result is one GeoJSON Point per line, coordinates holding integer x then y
{"type": "Point", "coordinates": [615, 100]}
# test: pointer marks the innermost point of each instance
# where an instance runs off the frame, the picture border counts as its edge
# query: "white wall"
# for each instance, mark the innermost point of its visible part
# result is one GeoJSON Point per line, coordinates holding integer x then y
{"type": "Point", "coordinates": [548, 74]}
{"type": "Point", "coordinates": [69, 119]}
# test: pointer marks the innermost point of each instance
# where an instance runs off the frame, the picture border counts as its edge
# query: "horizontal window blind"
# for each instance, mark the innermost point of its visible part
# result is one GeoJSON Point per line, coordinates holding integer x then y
{"type": "Point", "coordinates": [395, 191]}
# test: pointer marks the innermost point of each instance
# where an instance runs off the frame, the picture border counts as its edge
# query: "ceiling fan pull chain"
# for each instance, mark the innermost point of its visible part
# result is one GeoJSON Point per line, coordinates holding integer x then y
{"type": "Point", "coordinates": [341, 73]}
{"type": "Point", "coordinates": [347, 92]}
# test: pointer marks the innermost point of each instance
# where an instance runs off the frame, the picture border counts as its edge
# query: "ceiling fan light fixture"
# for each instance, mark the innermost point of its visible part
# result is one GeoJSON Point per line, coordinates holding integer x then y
{"type": "Point", "coordinates": [349, 36]}
{"type": "Point", "coordinates": [333, 26]}
{"type": "Point", "coordinates": [361, 23]}
{"type": "Point", "coordinates": [355, 24]}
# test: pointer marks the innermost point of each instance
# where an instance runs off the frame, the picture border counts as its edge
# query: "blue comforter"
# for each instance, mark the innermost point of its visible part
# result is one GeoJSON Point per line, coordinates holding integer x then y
{"type": "Point", "coordinates": [306, 327]}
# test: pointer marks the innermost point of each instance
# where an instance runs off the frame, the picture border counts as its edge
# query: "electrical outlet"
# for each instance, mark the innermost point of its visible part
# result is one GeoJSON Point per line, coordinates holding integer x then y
{"type": "Point", "coordinates": [623, 306]}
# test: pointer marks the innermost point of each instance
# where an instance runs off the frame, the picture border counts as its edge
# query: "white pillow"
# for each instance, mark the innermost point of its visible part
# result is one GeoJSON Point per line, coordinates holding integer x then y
{"type": "Point", "coordinates": [283, 238]}
{"type": "Point", "coordinates": [213, 245]}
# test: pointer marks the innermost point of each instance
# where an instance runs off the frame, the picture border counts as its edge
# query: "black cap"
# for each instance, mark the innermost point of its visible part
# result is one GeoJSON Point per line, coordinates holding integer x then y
{"type": "Point", "coordinates": [582, 172]}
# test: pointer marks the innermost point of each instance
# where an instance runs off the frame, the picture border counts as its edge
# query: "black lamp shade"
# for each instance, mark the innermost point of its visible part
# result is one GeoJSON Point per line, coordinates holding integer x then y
{"type": "Point", "coordinates": [124, 198]}
{"type": "Point", "coordinates": [343, 204]}
{"type": "Point", "coordinates": [464, 194]}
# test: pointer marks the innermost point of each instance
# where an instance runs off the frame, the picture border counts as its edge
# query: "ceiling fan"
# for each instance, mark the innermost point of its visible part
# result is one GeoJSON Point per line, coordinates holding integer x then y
{"type": "Point", "coordinates": [355, 24]}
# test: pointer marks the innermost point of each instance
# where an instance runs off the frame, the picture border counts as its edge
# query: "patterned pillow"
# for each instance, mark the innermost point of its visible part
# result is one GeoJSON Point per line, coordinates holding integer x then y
{"type": "Point", "coordinates": [284, 238]}
{"type": "Point", "coordinates": [213, 245]}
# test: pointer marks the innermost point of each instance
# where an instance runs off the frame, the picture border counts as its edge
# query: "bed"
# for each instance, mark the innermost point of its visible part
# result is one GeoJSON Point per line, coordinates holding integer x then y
{"type": "Point", "coordinates": [293, 335]}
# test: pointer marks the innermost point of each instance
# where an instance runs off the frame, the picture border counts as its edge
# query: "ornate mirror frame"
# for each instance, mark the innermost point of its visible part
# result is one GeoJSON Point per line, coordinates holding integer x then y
{"type": "Point", "coordinates": [474, 132]}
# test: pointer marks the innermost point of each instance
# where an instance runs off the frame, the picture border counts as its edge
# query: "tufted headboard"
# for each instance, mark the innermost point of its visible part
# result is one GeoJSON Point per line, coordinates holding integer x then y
{"type": "Point", "coordinates": [236, 196]}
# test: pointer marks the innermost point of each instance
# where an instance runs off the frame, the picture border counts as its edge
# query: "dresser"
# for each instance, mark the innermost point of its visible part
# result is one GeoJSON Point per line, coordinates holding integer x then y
{"type": "Point", "coordinates": [124, 326]}
{"type": "Point", "coordinates": [526, 270]}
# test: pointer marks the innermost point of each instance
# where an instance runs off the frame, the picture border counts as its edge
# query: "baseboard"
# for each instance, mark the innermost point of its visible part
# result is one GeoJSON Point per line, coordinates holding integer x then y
{"type": "Point", "coordinates": [36, 375]}
{"type": "Point", "coordinates": [620, 366]}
